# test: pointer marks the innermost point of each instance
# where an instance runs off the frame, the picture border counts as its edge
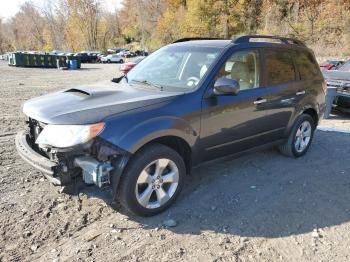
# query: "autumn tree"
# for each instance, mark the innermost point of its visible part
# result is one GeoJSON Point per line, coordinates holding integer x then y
{"type": "Point", "coordinates": [148, 24]}
{"type": "Point", "coordinates": [312, 10]}
{"type": "Point", "coordinates": [83, 19]}
{"type": "Point", "coordinates": [251, 15]}
{"type": "Point", "coordinates": [2, 37]}
{"type": "Point", "coordinates": [139, 18]}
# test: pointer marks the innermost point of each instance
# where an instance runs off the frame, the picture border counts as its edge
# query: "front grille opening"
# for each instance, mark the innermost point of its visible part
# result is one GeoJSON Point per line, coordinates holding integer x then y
{"type": "Point", "coordinates": [35, 128]}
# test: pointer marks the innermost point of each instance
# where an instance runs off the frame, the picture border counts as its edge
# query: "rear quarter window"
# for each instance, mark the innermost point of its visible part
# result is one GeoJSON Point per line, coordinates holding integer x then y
{"type": "Point", "coordinates": [279, 67]}
{"type": "Point", "coordinates": [307, 66]}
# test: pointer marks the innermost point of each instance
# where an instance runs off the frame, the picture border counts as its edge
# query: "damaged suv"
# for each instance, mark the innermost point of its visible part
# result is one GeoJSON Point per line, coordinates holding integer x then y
{"type": "Point", "coordinates": [187, 103]}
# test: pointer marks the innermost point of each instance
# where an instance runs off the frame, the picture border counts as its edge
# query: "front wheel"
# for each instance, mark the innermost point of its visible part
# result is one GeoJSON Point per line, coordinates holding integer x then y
{"type": "Point", "coordinates": [152, 180]}
{"type": "Point", "coordinates": [300, 137]}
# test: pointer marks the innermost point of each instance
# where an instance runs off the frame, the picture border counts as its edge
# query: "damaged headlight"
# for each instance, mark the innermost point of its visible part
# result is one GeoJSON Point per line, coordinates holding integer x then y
{"type": "Point", "coordinates": [63, 136]}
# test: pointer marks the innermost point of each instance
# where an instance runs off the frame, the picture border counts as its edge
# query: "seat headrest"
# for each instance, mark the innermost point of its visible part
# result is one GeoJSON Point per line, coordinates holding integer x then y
{"type": "Point", "coordinates": [240, 71]}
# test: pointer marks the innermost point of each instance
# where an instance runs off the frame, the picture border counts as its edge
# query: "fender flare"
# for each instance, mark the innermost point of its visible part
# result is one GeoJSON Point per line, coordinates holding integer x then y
{"type": "Point", "coordinates": [300, 110]}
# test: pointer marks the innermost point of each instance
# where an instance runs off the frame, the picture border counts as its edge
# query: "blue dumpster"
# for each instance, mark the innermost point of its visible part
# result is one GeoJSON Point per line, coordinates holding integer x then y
{"type": "Point", "coordinates": [72, 64]}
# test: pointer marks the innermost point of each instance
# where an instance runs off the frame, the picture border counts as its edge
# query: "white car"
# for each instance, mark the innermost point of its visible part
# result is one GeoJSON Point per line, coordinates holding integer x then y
{"type": "Point", "coordinates": [112, 59]}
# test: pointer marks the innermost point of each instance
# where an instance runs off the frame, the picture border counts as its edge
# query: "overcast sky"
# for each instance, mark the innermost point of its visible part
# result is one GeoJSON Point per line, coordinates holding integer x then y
{"type": "Point", "coordinates": [9, 8]}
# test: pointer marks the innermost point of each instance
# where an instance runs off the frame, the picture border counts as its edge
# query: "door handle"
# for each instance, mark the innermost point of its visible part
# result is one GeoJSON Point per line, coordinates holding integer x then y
{"type": "Point", "coordinates": [299, 93]}
{"type": "Point", "coordinates": [260, 101]}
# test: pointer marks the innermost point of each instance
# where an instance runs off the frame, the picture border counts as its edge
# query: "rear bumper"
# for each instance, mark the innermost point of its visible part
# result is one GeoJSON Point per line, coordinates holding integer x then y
{"type": "Point", "coordinates": [46, 166]}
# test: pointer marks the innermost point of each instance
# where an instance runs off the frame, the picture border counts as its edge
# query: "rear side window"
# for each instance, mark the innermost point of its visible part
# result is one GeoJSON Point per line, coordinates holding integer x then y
{"type": "Point", "coordinates": [308, 68]}
{"type": "Point", "coordinates": [279, 67]}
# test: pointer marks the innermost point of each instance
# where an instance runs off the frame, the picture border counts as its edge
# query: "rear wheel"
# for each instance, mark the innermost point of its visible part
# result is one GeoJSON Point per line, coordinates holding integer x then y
{"type": "Point", "coordinates": [152, 180]}
{"type": "Point", "coordinates": [300, 137]}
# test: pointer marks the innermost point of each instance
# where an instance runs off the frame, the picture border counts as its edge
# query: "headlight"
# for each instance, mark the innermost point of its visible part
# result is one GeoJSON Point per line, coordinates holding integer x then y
{"type": "Point", "coordinates": [62, 136]}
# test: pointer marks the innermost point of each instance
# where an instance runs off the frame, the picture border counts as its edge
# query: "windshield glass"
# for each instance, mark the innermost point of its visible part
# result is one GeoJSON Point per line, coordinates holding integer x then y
{"type": "Point", "coordinates": [175, 67]}
{"type": "Point", "coordinates": [345, 67]}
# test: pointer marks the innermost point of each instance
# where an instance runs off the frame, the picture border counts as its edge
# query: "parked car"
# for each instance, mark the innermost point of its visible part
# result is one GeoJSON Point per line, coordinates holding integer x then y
{"type": "Point", "coordinates": [340, 79]}
{"type": "Point", "coordinates": [141, 53]}
{"type": "Point", "coordinates": [186, 103]}
{"type": "Point", "coordinates": [126, 53]}
{"type": "Point", "coordinates": [5, 56]}
{"type": "Point", "coordinates": [115, 50]}
{"type": "Point", "coordinates": [60, 52]}
{"type": "Point", "coordinates": [87, 57]}
{"type": "Point", "coordinates": [130, 64]}
{"type": "Point", "coordinates": [99, 56]}
{"type": "Point", "coordinates": [95, 55]}
{"type": "Point", "coordinates": [112, 59]}
{"type": "Point", "coordinates": [331, 64]}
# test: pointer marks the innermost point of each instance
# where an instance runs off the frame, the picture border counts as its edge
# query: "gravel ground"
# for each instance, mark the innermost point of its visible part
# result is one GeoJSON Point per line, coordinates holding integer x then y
{"type": "Point", "coordinates": [259, 207]}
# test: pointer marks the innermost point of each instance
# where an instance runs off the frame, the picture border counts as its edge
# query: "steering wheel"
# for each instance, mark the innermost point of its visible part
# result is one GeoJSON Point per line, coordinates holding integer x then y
{"type": "Point", "coordinates": [192, 81]}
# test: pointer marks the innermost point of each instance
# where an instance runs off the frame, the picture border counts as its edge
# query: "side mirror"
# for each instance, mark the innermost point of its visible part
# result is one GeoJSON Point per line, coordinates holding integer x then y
{"type": "Point", "coordinates": [226, 86]}
{"type": "Point", "coordinates": [117, 80]}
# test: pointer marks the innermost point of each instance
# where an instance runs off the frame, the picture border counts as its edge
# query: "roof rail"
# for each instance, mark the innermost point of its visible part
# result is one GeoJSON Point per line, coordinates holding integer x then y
{"type": "Point", "coordinates": [195, 38]}
{"type": "Point", "coordinates": [285, 40]}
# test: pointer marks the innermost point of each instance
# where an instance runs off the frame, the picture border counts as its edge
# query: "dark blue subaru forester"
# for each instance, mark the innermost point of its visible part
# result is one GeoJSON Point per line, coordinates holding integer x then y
{"type": "Point", "coordinates": [188, 102]}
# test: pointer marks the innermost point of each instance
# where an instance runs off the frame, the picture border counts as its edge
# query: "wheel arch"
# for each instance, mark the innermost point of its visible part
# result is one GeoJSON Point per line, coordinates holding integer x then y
{"type": "Point", "coordinates": [313, 113]}
{"type": "Point", "coordinates": [176, 143]}
{"type": "Point", "coordinates": [310, 109]}
{"type": "Point", "coordinates": [174, 132]}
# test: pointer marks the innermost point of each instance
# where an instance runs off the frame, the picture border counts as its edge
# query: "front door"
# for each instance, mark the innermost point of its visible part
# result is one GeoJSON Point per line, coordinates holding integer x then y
{"type": "Point", "coordinates": [234, 123]}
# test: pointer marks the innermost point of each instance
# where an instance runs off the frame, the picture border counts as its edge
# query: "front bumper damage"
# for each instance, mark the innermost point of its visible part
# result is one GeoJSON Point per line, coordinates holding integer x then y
{"type": "Point", "coordinates": [99, 162]}
{"type": "Point", "coordinates": [46, 166]}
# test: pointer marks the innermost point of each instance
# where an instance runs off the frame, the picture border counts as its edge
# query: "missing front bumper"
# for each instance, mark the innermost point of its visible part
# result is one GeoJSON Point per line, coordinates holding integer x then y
{"type": "Point", "coordinates": [102, 164]}
{"type": "Point", "coordinates": [46, 166]}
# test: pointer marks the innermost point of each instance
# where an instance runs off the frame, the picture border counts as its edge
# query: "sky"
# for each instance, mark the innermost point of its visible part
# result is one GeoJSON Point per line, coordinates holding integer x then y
{"type": "Point", "coordinates": [9, 8]}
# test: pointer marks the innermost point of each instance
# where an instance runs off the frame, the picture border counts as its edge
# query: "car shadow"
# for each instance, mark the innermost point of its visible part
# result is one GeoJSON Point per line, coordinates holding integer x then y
{"type": "Point", "coordinates": [265, 194]}
{"type": "Point", "coordinates": [88, 69]}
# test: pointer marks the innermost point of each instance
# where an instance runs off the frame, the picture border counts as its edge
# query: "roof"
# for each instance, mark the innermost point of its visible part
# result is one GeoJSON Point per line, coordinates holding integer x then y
{"type": "Point", "coordinates": [205, 43]}
{"type": "Point", "coordinates": [251, 40]}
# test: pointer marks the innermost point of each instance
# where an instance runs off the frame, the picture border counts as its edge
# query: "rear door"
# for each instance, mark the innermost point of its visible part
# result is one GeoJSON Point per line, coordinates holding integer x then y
{"type": "Point", "coordinates": [310, 79]}
{"type": "Point", "coordinates": [279, 79]}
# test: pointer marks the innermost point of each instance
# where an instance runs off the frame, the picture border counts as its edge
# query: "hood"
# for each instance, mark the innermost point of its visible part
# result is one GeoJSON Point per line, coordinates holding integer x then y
{"type": "Point", "coordinates": [92, 104]}
{"type": "Point", "coordinates": [336, 75]}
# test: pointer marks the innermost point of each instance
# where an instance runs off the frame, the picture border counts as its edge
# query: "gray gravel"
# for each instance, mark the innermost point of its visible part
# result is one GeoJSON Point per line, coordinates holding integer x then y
{"type": "Point", "coordinates": [260, 207]}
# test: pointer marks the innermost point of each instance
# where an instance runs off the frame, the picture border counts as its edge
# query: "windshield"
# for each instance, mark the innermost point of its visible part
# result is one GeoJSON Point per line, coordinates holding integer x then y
{"type": "Point", "coordinates": [345, 67]}
{"type": "Point", "coordinates": [175, 67]}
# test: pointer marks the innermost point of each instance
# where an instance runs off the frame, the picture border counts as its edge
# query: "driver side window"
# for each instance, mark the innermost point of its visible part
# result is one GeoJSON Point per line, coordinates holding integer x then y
{"type": "Point", "coordinates": [244, 67]}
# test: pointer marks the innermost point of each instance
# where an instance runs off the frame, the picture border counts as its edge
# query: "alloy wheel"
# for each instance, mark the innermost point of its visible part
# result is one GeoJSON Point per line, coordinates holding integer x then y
{"type": "Point", "coordinates": [303, 136]}
{"type": "Point", "coordinates": [157, 183]}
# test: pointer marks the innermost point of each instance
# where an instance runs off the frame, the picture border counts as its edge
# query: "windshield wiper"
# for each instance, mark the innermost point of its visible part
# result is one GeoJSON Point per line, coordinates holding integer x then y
{"type": "Point", "coordinates": [148, 83]}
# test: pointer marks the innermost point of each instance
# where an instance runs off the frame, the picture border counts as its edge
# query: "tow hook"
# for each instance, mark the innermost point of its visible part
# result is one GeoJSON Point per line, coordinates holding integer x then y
{"type": "Point", "coordinates": [94, 172]}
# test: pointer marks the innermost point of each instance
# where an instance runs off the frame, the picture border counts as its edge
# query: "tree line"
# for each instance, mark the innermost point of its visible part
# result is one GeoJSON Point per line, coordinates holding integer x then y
{"type": "Point", "coordinates": [148, 24]}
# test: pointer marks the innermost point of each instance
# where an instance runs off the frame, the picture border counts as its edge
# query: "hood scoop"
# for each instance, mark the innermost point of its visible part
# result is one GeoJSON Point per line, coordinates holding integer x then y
{"type": "Point", "coordinates": [78, 92]}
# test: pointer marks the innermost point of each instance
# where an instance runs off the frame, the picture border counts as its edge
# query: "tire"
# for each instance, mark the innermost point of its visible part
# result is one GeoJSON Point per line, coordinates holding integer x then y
{"type": "Point", "coordinates": [121, 61]}
{"type": "Point", "coordinates": [293, 149]}
{"type": "Point", "coordinates": [141, 191]}
{"type": "Point", "coordinates": [108, 61]}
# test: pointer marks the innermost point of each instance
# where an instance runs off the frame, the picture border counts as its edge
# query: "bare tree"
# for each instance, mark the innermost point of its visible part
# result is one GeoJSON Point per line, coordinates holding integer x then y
{"type": "Point", "coordinates": [28, 26]}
